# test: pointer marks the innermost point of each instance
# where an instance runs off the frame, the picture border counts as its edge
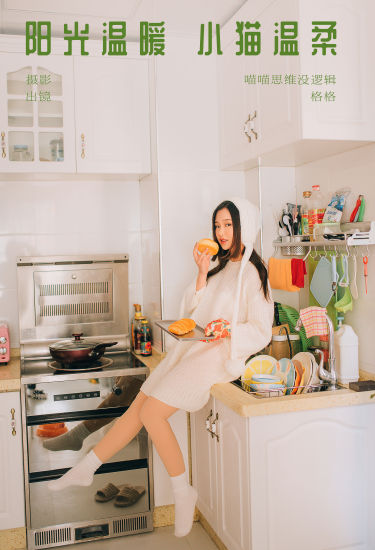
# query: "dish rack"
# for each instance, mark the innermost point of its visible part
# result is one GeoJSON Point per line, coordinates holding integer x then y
{"type": "Point", "coordinates": [309, 388]}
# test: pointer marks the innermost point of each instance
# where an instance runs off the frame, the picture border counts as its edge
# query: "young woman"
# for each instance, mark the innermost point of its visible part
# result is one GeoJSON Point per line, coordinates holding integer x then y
{"type": "Point", "coordinates": [235, 292]}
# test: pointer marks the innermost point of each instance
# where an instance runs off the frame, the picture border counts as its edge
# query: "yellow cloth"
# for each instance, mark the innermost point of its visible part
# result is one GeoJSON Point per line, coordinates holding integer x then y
{"type": "Point", "coordinates": [280, 274]}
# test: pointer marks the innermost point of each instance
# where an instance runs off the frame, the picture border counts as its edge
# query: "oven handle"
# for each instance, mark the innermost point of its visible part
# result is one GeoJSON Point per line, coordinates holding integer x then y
{"type": "Point", "coordinates": [107, 468]}
{"type": "Point", "coordinates": [109, 412]}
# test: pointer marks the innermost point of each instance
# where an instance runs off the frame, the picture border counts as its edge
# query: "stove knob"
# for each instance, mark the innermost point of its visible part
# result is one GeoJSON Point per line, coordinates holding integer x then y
{"type": "Point", "coordinates": [116, 390]}
{"type": "Point", "coordinates": [3, 351]}
{"type": "Point", "coordinates": [2, 340]}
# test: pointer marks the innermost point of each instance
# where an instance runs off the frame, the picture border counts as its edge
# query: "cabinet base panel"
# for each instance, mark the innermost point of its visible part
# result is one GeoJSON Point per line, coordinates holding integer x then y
{"type": "Point", "coordinates": [207, 527]}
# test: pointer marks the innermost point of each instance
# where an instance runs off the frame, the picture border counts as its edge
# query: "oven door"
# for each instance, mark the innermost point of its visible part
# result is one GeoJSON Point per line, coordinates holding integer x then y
{"type": "Point", "coordinates": [82, 411]}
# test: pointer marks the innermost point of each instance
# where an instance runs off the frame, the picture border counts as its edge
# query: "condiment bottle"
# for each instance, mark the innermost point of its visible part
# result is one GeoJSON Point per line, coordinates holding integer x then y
{"type": "Point", "coordinates": [305, 212]}
{"type": "Point", "coordinates": [316, 210]}
{"type": "Point", "coordinates": [145, 338]}
{"type": "Point", "coordinates": [136, 329]}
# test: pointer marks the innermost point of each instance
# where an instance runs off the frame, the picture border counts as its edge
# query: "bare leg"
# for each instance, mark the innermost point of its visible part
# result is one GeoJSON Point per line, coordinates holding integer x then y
{"type": "Point", "coordinates": [74, 438]}
{"type": "Point", "coordinates": [126, 427]}
{"type": "Point", "coordinates": [154, 416]}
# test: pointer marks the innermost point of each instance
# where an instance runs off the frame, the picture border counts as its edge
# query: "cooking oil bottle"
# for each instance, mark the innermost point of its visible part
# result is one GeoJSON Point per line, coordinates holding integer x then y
{"type": "Point", "coordinates": [136, 329]}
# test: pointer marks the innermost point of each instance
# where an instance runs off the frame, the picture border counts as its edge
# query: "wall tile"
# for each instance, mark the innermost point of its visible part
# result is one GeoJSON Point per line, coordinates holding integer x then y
{"type": "Point", "coordinates": [9, 314]}
{"type": "Point", "coordinates": [64, 218]}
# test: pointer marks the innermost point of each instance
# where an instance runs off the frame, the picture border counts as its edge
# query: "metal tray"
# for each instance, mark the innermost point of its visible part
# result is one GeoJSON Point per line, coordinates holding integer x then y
{"type": "Point", "coordinates": [194, 335]}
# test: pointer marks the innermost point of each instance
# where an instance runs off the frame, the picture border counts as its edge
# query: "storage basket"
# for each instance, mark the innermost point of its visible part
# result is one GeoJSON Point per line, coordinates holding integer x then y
{"type": "Point", "coordinates": [293, 250]}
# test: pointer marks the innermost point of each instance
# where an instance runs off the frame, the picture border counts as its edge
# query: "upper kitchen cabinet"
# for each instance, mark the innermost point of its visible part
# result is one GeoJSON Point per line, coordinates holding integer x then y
{"type": "Point", "coordinates": [36, 114]}
{"type": "Point", "coordinates": [266, 105]}
{"type": "Point", "coordinates": [71, 114]}
{"type": "Point", "coordinates": [112, 115]}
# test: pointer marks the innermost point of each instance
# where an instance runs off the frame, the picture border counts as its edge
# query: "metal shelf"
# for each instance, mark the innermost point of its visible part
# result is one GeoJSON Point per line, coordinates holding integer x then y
{"type": "Point", "coordinates": [310, 243]}
{"type": "Point", "coordinates": [356, 238]}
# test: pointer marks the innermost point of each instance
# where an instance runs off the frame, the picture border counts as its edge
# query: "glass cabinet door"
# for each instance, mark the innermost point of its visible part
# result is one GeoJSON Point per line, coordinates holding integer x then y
{"type": "Point", "coordinates": [37, 114]}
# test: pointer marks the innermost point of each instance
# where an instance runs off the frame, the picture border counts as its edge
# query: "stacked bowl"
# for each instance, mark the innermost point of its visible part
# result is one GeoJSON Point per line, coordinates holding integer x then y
{"type": "Point", "coordinates": [267, 385]}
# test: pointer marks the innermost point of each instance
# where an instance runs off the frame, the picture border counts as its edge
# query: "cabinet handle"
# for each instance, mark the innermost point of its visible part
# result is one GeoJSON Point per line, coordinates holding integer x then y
{"type": "Point", "coordinates": [3, 145]}
{"type": "Point", "coordinates": [249, 127]}
{"type": "Point", "coordinates": [208, 422]}
{"type": "Point", "coordinates": [214, 427]}
{"type": "Point", "coordinates": [83, 145]}
{"type": "Point", "coordinates": [13, 422]}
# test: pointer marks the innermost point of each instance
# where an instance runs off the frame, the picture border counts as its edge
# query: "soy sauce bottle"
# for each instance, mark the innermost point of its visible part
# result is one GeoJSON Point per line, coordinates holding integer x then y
{"type": "Point", "coordinates": [145, 338]}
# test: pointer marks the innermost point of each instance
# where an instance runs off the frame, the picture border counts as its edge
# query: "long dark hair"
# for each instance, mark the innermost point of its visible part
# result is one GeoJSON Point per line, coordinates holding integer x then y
{"type": "Point", "coordinates": [235, 251]}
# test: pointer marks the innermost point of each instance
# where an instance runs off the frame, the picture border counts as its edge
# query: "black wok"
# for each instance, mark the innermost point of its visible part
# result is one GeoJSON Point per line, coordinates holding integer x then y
{"type": "Point", "coordinates": [78, 351]}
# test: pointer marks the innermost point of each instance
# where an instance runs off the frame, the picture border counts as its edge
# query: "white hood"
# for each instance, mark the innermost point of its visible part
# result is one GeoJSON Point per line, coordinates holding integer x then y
{"type": "Point", "coordinates": [250, 225]}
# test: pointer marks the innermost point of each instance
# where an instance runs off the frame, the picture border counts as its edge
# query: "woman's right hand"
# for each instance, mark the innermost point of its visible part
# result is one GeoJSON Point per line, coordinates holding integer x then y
{"type": "Point", "coordinates": [202, 260]}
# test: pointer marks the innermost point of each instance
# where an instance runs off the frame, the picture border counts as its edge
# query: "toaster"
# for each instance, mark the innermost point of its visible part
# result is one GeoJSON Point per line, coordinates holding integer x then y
{"type": "Point", "coordinates": [4, 343]}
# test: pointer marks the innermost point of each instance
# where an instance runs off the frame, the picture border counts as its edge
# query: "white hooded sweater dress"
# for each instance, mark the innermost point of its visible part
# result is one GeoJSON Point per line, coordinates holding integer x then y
{"type": "Point", "coordinates": [184, 378]}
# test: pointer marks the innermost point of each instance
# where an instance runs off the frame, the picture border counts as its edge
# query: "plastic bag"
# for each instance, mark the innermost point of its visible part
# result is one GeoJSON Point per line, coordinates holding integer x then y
{"type": "Point", "coordinates": [336, 205]}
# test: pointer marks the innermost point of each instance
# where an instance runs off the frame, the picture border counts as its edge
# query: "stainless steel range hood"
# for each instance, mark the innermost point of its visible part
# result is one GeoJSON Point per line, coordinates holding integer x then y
{"type": "Point", "coordinates": [62, 295]}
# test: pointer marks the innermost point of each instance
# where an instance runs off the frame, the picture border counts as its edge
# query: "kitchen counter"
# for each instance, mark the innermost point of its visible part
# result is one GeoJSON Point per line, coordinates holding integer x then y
{"type": "Point", "coordinates": [10, 374]}
{"type": "Point", "coordinates": [247, 405]}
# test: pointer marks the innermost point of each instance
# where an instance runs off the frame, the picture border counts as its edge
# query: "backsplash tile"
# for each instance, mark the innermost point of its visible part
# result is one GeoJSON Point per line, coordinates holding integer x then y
{"type": "Point", "coordinates": [65, 218]}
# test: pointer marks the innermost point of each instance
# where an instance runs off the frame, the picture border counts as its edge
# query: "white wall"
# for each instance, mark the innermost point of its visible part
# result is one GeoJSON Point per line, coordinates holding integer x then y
{"type": "Point", "coordinates": [354, 169]}
{"type": "Point", "coordinates": [271, 189]}
{"type": "Point", "coordinates": [190, 181]}
{"type": "Point", "coordinates": [66, 217]}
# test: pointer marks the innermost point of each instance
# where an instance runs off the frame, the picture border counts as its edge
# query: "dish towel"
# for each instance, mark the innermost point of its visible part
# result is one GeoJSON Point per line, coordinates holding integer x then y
{"type": "Point", "coordinates": [298, 267]}
{"type": "Point", "coordinates": [314, 320]}
{"type": "Point", "coordinates": [280, 274]}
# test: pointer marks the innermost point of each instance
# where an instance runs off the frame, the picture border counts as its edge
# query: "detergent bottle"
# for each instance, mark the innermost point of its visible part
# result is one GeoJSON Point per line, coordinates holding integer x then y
{"type": "Point", "coordinates": [346, 351]}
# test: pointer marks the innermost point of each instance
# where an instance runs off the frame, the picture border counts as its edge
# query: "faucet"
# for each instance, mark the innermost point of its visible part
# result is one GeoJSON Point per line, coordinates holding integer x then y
{"type": "Point", "coordinates": [330, 375]}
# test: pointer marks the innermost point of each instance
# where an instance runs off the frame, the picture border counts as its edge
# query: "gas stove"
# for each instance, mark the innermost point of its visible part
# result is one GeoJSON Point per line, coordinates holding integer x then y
{"type": "Point", "coordinates": [39, 370]}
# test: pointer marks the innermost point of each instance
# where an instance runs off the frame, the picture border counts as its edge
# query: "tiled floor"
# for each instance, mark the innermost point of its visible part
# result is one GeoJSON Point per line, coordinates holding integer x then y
{"type": "Point", "coordinates": [161, 538]}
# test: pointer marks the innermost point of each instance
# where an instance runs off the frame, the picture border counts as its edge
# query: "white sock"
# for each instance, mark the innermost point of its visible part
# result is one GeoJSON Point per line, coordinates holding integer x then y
{"type": "Point", "coordinates": [71, 440]}
{"type": "Point", "coordinates": [185, 497]}
{"type": "Point", "coordinates": [81, 474]}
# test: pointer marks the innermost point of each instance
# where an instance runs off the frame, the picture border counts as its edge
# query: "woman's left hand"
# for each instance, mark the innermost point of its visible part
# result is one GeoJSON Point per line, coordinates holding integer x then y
{"type": "Point", "coordinates": [220, 328]}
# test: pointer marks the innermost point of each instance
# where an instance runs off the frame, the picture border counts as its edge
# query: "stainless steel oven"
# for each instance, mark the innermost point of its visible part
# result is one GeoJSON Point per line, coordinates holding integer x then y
{"type": "Point", "coordinates": [60, 296]}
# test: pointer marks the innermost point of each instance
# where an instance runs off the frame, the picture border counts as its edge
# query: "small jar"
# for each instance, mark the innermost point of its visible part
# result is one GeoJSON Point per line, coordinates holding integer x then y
{"type": "Point", "coordinates": [280, 346]}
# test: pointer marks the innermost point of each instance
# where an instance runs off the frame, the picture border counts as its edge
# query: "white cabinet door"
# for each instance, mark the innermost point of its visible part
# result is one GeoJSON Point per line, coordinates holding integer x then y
{"type": "Point", "coordinates": [278, 104]}
{"type": "Point", "coordinates": [36, 113]}
{"type": "Point", "coordinates": [292, 128]}
{"type": "Point", "coordinates": [112, 115]}
{"type": "Point", "coordinates": [351, 115]}
{"type": "Point", "coordinates": [203, 449]}
{"type": "Point", "coordinates": [12, 501]}
{"type": "Point", "coordinates": [233, 479]}
{"type": "Point", "coordinates": [313, 480]}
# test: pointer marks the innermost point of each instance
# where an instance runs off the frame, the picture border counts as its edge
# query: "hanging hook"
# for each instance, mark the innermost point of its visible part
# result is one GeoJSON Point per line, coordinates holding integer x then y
{"type": "Point", "coordinates": [307, 255]}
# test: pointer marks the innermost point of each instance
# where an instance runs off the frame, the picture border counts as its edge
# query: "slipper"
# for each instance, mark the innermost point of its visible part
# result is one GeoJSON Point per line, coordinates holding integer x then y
{"type": "Point", "coordinates": [107, 493]}
{"type": "Point", "coordinates": [129, 495]}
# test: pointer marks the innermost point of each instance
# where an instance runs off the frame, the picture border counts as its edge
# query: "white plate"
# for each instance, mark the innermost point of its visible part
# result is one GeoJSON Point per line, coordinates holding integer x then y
{"type": "Point", "coordinates": [260, 364]}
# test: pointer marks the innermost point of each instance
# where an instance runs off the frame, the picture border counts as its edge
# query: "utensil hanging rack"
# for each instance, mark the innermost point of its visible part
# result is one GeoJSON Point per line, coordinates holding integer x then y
{"type": "Point", "coordinates": [296, 247]}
